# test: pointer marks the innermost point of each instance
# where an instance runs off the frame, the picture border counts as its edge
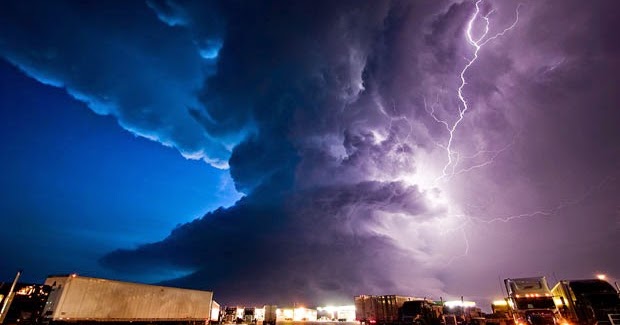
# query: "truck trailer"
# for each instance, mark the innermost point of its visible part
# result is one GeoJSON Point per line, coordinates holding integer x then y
{"type": "Point", "coordinates": [378, 309]}
{"type": "Point", "coordinates": [78, 300]}
{"type": "Point", "coordinates": [269, 317]}
{"type": "Point", "coordinates": [395, 310]}
{"type": "Point", "coordinates": [587, 302]}
{"type": "Point", "coordinates": [531, 302]}
{"type": "Point", "coordinates": [215, 312]}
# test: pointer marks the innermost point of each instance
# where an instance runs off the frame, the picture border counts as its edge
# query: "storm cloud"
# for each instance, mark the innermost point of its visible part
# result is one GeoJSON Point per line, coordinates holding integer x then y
{"type": "Point", "coordinates": [120, 61]}
{"type": "Point", "coordinates": [329, 116]}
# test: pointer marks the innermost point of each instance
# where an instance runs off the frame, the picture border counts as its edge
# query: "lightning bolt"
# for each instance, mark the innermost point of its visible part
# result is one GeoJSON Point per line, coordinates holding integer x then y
{"type": "Point", "coordinates": [469, 219]}
{"type": "Point", "coordinates": [477, 43]}
{"type": "Point", "coordinates": [465, 252]}
{"type": "Point", "coordinates": [451, 168]}
{"type": "Point", "coordinates": [494, 154]}
{"type": "Point", "coordinates": [553, 210]}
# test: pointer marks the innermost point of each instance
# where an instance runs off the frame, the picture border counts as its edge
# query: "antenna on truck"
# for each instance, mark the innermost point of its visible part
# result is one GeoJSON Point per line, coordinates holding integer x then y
{"type": "Point", "coordinates": [9, 298]}
{"type": "Point", "coordinates": [501, 288]}
{"type": "Point", "coordinates": [555, 277]}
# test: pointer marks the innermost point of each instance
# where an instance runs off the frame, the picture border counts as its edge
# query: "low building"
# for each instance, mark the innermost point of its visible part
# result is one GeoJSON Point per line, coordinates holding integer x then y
{"type": "Point", "coordinates": [296, 314]}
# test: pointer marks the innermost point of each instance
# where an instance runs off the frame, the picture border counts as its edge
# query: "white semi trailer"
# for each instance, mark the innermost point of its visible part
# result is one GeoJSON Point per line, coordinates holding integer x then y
{"type": "Point", "coordinates": [78, 299]}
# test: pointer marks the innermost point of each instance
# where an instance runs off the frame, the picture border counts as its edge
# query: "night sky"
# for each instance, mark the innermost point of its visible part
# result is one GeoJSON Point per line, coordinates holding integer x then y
{"type": "Point", "coordinates": [309, 151]}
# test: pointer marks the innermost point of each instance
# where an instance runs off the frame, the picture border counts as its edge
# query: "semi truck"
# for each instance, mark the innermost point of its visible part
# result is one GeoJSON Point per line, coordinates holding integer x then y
{"type": "Point", "coordinates": [531, 301]}
{"type": "Point", "coordinates": [395, 310]}
{"type": "Point", "coordinates": [587, 302]}
{"type": "Point", "coordinates": [26, 305]}
{"type": "Point", "coordinates": [230, 315]}
{"type": "Point", "coordinates": [249, 315]}
{"type": "Point", "coordinates": [270, 314]}
{"type": "Point", "coordinates": [420, 311]}
{"type": "Point", "coordinates": [77, 300]}
{"type": "Point", "coordinates": [464, 312]}
{"type": "Point", "coordinates": [501, 313]}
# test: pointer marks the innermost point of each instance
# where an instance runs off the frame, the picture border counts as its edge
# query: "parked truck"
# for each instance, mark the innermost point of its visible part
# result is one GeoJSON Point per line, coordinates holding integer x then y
{"type": "Point", "coordinates": [270, 314]}
{"type": "Point", "coordinates": [395, 310]}
{"type": "Point", "coordinates": [249, 315]}
{"type": "Point", "coordinates": [230, 315]}
{"type": "Point", "coordinates": [501, 313]}
{"type": "Point", "coordinates": [77, 300]}
{"type": "Point", "coordinates": [26, 305]}
{"type": "Point", "coordinates": [215, 312]}
{"type": "Point", "coordinates": [587, 302]}
{"type": "Point", "coordinates": [531, 301]}
{"type": "Point", "coordinates": [420, 311]}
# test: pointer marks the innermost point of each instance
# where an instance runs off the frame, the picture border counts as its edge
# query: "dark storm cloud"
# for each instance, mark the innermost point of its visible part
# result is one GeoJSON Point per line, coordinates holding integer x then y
{"type": "Point", "coordinates": [296, 72]}
{"type": "Point", "coordinates": [310, 246]}
{"type": "Point", "coordinates": [307, 230]}
{"type": "Point", "coordinates": [327, 108]}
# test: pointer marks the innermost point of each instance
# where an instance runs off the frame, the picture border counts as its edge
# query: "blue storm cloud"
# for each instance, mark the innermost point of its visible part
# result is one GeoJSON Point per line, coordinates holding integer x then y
{"type": "Point", "coordinates": [75, 185]}
{"type": "Point", "coordinates": [121, 61]}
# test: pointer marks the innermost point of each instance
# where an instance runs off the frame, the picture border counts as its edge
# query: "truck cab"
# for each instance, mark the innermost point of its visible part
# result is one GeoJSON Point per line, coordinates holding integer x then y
{"type": "Point", "coordinates": [531, 301]}
{"type": "Point", "coordinates": [419, 312]}
{"type": "Point", "coordinates": [587, 301]}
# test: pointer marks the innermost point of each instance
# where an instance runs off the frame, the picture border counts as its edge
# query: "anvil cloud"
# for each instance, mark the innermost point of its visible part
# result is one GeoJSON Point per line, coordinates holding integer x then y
{"type": "Point", "coordinates": [321, 110]}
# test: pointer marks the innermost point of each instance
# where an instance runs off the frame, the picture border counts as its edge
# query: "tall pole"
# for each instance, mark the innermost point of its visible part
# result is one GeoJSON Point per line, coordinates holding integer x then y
{"type": "Point", "coordinates": [9, 298]}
